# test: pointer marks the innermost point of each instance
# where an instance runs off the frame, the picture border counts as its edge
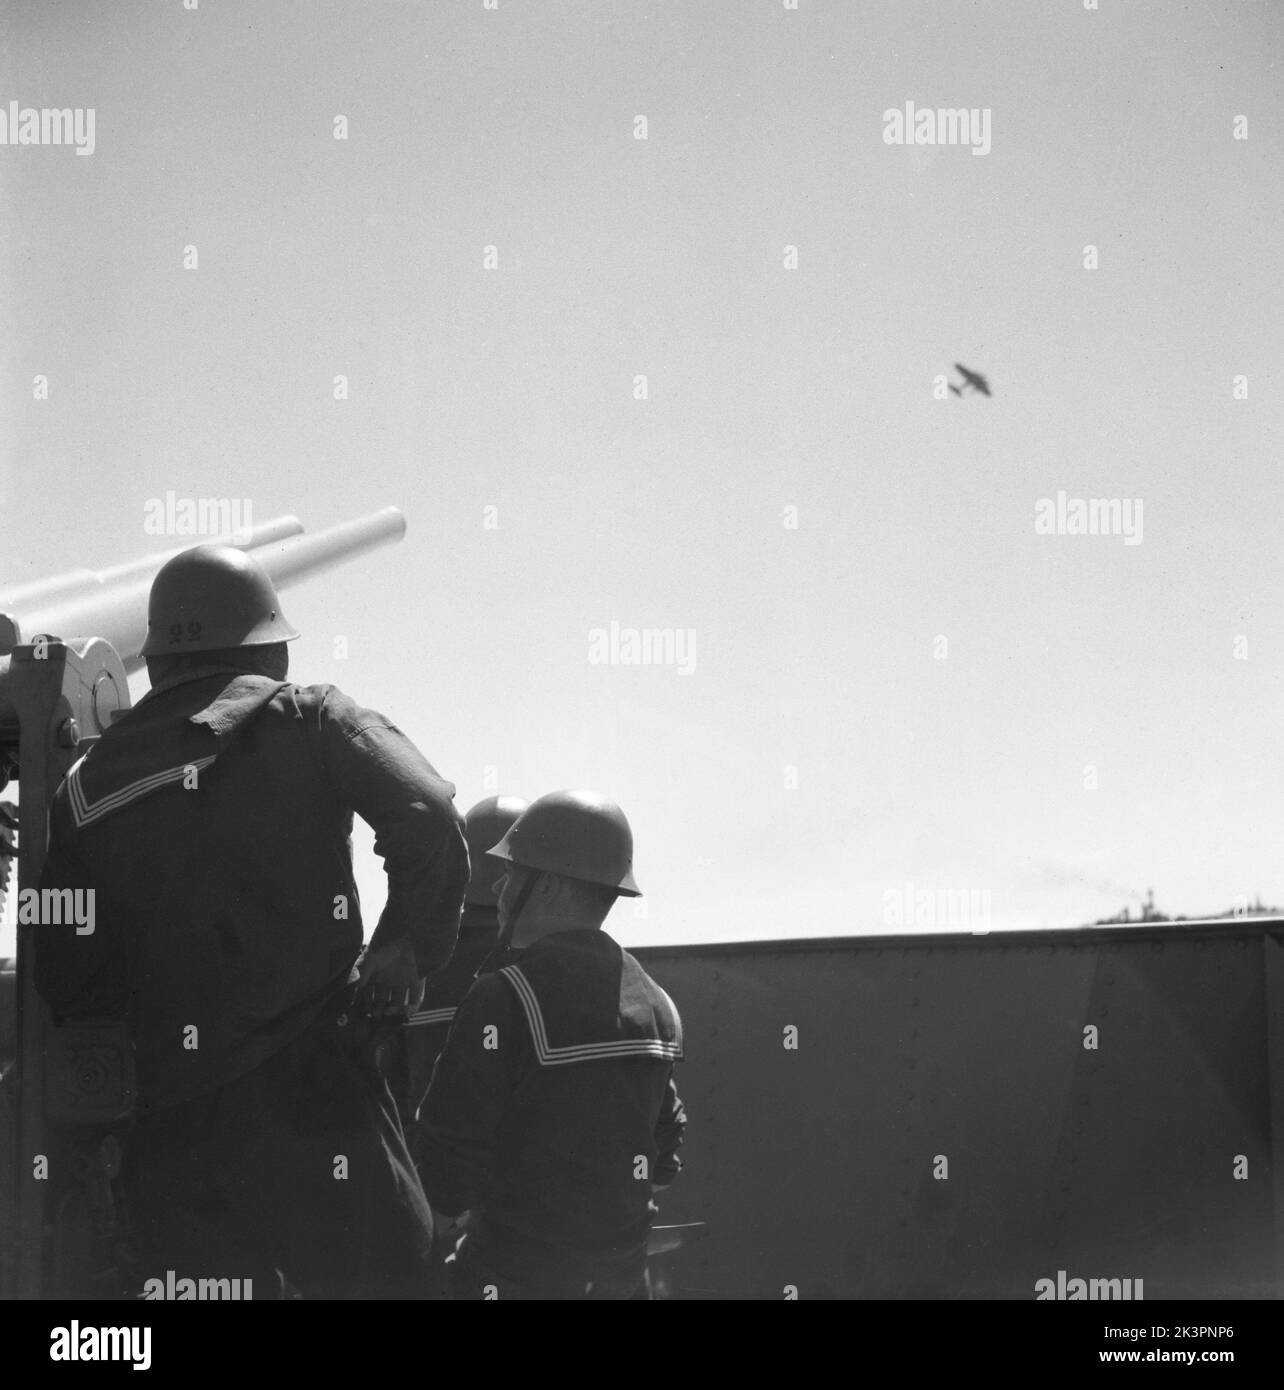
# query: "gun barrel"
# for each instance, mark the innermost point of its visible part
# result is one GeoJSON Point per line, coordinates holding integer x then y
{"type": "Point", "coordinates": [117, 611]}
{"type": "Point", "coordinates": [41, 592]}
{"type": "Point", "coordinates": [289, 561]}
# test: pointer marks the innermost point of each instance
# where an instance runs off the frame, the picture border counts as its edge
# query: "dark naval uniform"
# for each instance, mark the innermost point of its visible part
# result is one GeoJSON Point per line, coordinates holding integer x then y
{"type": "Point", "coordinates": [552, 1116]}
{"type": "Point", "coordinates": [425, 1030]}
{"type": "Point", "coordinates": [213, 823]}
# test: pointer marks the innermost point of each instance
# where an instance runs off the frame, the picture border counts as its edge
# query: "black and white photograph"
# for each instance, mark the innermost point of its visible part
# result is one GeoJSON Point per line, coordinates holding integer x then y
{"type": "Point", "coordinates": [641, 654]}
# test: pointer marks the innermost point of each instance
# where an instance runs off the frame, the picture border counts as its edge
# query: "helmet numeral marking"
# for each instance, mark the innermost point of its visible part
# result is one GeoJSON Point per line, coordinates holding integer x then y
{"type": "Point", "coordinates": [176, 632]}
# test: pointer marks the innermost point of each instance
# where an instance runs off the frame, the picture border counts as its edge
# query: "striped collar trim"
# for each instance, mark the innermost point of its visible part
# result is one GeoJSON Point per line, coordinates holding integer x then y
{"type": "Point", "coordinates": [84, 812]}
{"type": "Point", "coordinates": [426, 1017]}
{"type": "Point", "coordinates": [583, 1052]}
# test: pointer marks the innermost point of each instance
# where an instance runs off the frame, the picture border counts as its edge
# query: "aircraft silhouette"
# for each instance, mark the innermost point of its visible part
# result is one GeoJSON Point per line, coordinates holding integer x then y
{"type": "Point", "coordinates": [973, 379]}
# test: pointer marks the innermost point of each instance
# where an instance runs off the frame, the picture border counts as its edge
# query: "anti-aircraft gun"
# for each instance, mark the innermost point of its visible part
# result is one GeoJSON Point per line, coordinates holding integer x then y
{"type": "Point", "coordinates": [67, 647]}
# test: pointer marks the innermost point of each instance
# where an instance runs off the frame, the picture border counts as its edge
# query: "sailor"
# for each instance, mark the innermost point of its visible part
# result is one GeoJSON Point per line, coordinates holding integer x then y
{"type": "Point", "coordinates": [212, 824]}
{"type": "Point", "coordinates": [552, 1118]}
{"type": "Point", "coordinates": [425, 1030]}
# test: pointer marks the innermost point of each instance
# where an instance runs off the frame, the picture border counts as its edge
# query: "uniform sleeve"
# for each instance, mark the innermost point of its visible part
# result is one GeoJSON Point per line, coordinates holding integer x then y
{"type": "Point", "coordinates": [419, 834]}
{"type": "Point", "coordinates": [668, 1135]}
{"type": "Point", "coordinates": [472, 1082]}
{"type": "Point", "coordinates": [79, 965]}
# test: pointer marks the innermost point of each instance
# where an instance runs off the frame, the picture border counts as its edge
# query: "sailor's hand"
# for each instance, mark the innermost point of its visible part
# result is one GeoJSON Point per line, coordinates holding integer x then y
{"type": "Point", "coordinates": [388, 982]}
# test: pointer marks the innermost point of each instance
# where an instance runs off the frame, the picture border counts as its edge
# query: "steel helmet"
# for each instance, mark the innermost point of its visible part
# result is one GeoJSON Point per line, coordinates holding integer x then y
{"type": "Point", "coordinates": [212, 597]}
{"type": "Point", "coordinates": [487, 822]}
{"type": "Point", "coordinates": [579, 834]}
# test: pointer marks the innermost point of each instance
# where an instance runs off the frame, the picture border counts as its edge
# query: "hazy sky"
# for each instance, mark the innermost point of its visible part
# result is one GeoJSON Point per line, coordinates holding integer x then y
{"type": "Point", "coordinates": [821, 751]}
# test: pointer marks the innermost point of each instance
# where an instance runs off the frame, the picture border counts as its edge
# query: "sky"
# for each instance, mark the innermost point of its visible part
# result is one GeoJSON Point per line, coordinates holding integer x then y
{"type": "Point", "coordinates": [894, 689]}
